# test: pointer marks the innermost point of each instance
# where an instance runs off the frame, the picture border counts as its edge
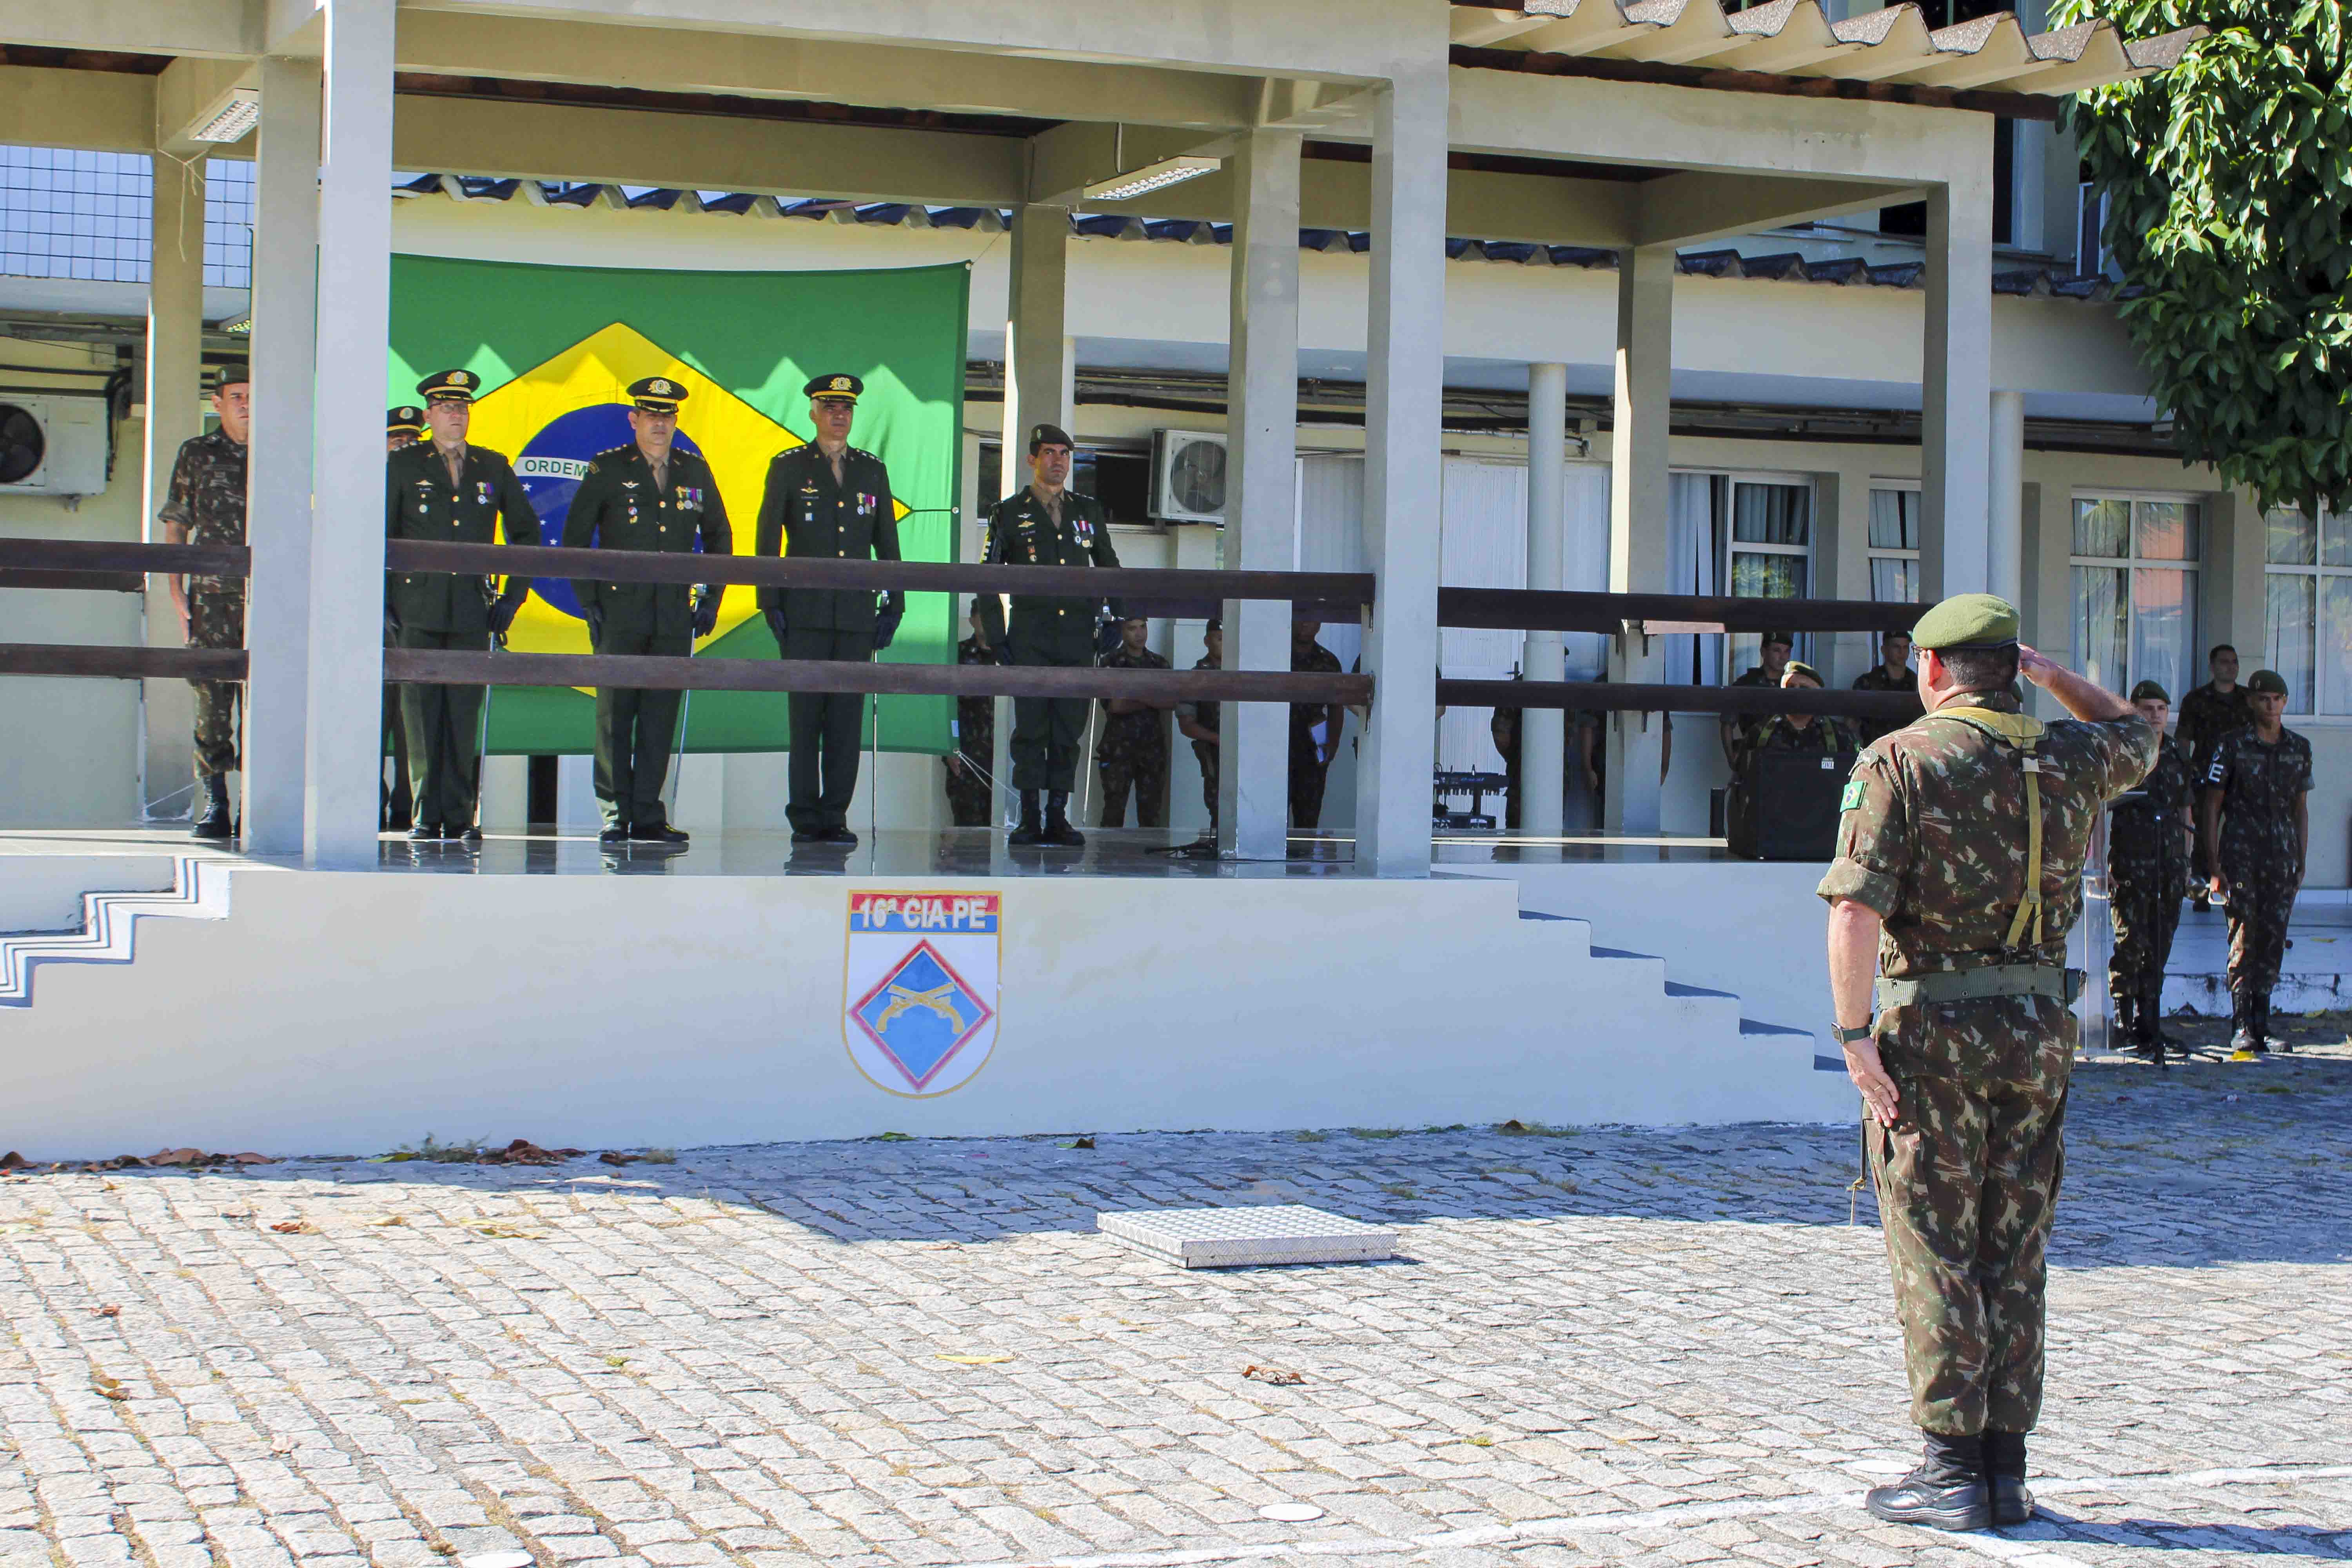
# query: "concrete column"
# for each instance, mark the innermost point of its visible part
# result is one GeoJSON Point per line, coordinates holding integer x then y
{"type": "Point", "coordinates": [345, 741]}
{"type": "Point", "coordinates": [1956, 388]}
{"type": "Point", "coordinates": [2005, 477]}
{"type": "Point", "coordinates": [1543, 732]}
{"type": "Point", "coordinates": [175, 413]}
{"type": "Point", "coordinates": [1638, 491]}
{"type": "Point", "coordinates": [1038, 386]}
{"type": "Point", "coordinates": [1405, 387]}
{"type": "Point", "coordinates": [1261, 532]}
{"type": "Point", "coordinates": [277, 510]}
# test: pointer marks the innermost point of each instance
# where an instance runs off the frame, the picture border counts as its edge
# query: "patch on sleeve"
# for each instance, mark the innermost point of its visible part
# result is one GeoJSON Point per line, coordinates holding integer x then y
{"type": "Point", "coordinates": [1851, 799]}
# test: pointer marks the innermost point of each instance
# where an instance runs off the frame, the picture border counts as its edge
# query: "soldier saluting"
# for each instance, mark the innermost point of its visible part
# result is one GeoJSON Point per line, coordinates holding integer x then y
{"type": "Point", "coordinates": [1957, 876]}
{"type": "Point", "coordinates": [2257, 832]}
{"type": "Point", "coordinates": [828, 499]}
{"type": "Point", "coordinates": [2147, 876]}
{"type": "Point", "coordinates": [648, 495]}
{"type": "Point", "coordinates": [447, 489]}
{"type": "Point", "coordinates": [1047, 524]}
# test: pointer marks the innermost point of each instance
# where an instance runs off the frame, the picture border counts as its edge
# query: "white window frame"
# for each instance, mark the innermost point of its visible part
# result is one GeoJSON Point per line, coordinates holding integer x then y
{"type": "Point", "coordinates": [2319, 714]}
{"type": "Point", "coordinates": [1807, 551]}
{"type": "Point", "coordinates": [1873, 554]}
{"type": "Point", "coordinates": [2194, 567]}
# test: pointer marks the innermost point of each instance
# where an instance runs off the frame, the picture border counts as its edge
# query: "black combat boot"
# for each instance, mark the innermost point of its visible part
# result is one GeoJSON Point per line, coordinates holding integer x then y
{"type": "Point", "coordinates": [2243, 1038]}
{"type": "Point", "coordinates": [212, 815]}
{"type": "Point", "coordinates": [2004, 1463]}
{"type": "Point", "coordinates": [2123, 1026]}
{"type": "Point", "coordinates": [1031, 829]}
{"type": "Point", "coordinates": [1058, 831]}
{"type": "Point", "coordinates": [2262, 1025]}
{"type": "Point", "coordinates": [1948, 1490]}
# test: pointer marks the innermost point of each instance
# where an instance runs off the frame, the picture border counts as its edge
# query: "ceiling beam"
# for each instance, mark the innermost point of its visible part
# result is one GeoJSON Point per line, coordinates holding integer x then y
{"type": "Point", "coordinates": [92, 112]}
{"type": "Point", "coordinates": [189, 92]}
{"type": "Point", "coordinates": [218, 27]}
{"type": "Point", "coordinates": [1534, 208]}
{"type": "Point", "coordinates": [1692, 208]}
{"type": "Point", "coordinates": [505, 139]}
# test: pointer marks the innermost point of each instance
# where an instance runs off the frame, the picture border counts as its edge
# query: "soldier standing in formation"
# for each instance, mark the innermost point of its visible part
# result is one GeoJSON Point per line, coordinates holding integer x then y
{"type": "Point", "coordinates": [1131, 753]}
{"type": "Point", "coordinates": [648, 495]}
{"type": "Point", "coordinates": [403, 426]}
{"type": "Point", "coordinates": [828, 500]}
{"type": "Point", "coordinates": [970, 794]}
{"type": "Point", "coordinates": [1311, 759]}
{"type": "Point", "coordinates": [1958, 873]}
{"type": "Point", "coordinates": [206, 505]}
{"type": "Point", "coordinates": [448, 490]}
{"type": "Point", "coordinates": [2207, 714]}
{"type": "Point", "coordinates": [2257, 831]}
{"type": "Point", "coordinates": [1891, 673]}
{"type": "Point", "coordinates": [1738, 729]}
{"type": "Point", "coordinates": [2149, 832]}
{"type": "Point", "coordinates": [1046, 525]}
{"type": "Point", "coordinates": [1196, 721]}
{"type": "Point", "coordinates": [1824, 734]}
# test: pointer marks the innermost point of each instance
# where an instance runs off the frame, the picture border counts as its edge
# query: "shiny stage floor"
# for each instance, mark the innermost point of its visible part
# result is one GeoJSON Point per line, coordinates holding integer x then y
{"type": "Point", "coordinates": [954, 852]}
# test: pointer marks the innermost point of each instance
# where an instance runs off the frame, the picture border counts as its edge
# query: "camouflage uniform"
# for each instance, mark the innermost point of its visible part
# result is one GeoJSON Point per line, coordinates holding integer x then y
{"type": "Point", "coordinates": [1826, 735]}
{"type": "Point", "coordinates": [2147, 876]}
{"type": "Point", "coordinates": [967, 789]}
{"type": "Point", "coordinates": [1132, 752]}
{"type": "Point", "coordinates": [1204, 714]}
{"type": "Point", "coordinates": [1739, 729]}
{"type": "Point", "coordinates": [1309, 771]}
{"type": "Point", "coordinates": [2260, 855]}
{"type": "Point", "coordinates": [1875, 679]}
{"type": "Point", "coordinates": [1934, 838]}
{"type": "Point", "coordinates": [207, 499]}
{"type": "Point", "coordinates": [2207, 715]}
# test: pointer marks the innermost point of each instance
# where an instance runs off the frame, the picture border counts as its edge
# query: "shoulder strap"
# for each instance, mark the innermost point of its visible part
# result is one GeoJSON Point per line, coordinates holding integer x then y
{"type": "Point", "coordinates": [2024, 733]}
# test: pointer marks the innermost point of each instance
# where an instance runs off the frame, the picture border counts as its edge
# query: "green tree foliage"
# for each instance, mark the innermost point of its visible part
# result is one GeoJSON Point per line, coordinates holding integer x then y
{"type": "Point", "coordinates": [2230, 185]}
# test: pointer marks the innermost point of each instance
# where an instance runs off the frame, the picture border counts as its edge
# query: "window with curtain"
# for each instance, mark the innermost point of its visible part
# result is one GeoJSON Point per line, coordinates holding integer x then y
{"type": "Point", "coordinates": [1768, 555]}
{"type": "Point", "coordinates": [2135, 566]}
{"type": "Point", "coordinates": [1894, 546]}
{"type": "Point", "coordinates": [2308, 591]}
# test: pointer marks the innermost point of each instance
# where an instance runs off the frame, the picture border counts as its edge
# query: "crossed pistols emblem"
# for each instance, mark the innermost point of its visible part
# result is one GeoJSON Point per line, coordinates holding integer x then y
{"type": "Point", "coordinates": [938, 999]}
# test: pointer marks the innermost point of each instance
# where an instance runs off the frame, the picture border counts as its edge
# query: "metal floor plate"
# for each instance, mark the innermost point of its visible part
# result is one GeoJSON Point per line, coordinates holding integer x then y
{"type": "Point", "coordinates": [1237, 1238]}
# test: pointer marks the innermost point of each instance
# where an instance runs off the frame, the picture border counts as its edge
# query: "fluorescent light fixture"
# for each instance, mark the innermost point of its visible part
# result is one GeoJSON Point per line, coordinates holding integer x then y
{"type": "Point", "coordinates": [1151, 178]}
{"type": "Point", "coordinates": [239, 115]}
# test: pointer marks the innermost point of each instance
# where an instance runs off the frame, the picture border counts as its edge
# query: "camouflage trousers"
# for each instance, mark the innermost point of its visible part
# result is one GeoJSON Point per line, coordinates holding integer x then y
{"type": "Point", "coordinates": [2261, 898]}
{"type": "Point", "coordinates": [216, 619]}
{"type": "Point", "coordinates": [2146, 914]}
{"type": "Point", "coordinates": [1967, 1186]}
{"type": "Point", "coordinates": [1147, 779]}
{"type": "Point", "coordinates": [968, 791]}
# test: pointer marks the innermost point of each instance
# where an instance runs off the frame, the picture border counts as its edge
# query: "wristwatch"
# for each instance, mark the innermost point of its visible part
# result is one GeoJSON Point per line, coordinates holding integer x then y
{"type": "Point", "coordinates": [1854, 1036]}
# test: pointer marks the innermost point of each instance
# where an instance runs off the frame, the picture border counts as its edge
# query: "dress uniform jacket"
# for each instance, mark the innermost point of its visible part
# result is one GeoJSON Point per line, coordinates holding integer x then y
{"type": "Point", "coordinates": [1022, 532]}
{"type": "Point", "coordinates": [419, 502]}
{"type": "Point", "coordinates": [804, 512]}
{"type": "Point", "coordinates": [619, 507]}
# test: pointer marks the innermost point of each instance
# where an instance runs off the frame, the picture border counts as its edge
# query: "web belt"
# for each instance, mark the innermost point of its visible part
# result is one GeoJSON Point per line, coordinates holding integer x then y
{"type": "Point", "coordinates": [1989, 980]}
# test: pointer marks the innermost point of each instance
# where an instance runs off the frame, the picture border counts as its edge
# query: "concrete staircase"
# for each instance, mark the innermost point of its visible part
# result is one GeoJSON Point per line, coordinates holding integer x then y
{"type": "Point", "coordinates": [109, 931]}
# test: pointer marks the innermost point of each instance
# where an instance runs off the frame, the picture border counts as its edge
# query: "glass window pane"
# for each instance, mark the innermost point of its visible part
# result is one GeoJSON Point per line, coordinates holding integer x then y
{"type": "Point", "coordinates": [2164, 629]}
{"type": "Point", "coordinates": [2335, 538]}
{"type": "Point", "coordinates": [2099, 624]}
{"type": "Point", "coordinates": [2335, 653]}
{"type": "Point", "coordinates": [1893, 581]}
{"type": "Point", "coordinates": [1895, 519]}
{"type": "Point", "coordinates": [2288, 646]}
{"type": "Point", "coordinates": [2164, 530]}
{"type": "Point", "coordinates": [2102, 528]}
{"type": "Point", "coordinates": [1772, 514]}
{"type": "Point", "coordinates": [1756, 576]}
{"type": "Point", "coordinates": [2291, 539]}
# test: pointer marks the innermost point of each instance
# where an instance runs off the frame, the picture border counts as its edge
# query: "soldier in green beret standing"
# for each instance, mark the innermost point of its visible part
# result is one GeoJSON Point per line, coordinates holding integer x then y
{"type": "Point", "coordinates": [206, 505]}
{"type": "Point", "coordinates": [2257, 831]}
{"type": "Point", "coordinates": [648, 495]}
{"type": "Point", "coordinates": [449, 491]}
{"type": "Point", "coordinates": [1959, 874]}
{"type": "Point", "coordinates": [828, 499]}
{"type": "Point", "coordinates": [1047, 524]}
{"type": "Point", "coordinates": [2147, 876]}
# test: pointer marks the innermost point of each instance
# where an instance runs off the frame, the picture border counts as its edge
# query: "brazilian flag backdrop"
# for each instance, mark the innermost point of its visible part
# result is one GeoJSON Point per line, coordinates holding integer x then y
{"type": "Point", "coordinates": [555, 346]}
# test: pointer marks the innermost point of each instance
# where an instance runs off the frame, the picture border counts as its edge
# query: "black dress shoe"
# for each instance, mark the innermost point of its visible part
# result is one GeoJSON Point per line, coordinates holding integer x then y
{"type": "Point", "coordinates": [614, 838]}
{"type": "Point", "coordinates": [841, 835]}
{"type": "Point", "coordinates": [426, 833]}
{"type": "Point", "coordinates": [466, 836]}
{"type": "Point", "coordinates": [1947, 1491]}
{"type": "Point", "coordinates": [811, 835]}
{"type": "Point", "coordinates": [656, 833]}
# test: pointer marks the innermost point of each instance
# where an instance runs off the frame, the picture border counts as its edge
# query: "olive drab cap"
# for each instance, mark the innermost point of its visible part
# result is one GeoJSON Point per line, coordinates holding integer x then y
{"type": "Point", "coordinates": [405, 420]}
{"type": "Point", "coordinates": [2269, 680]}
{"type": "Point", "coordinates": [449, 386]}
{"type": "Point", "coordinates": [2148, 689]}
{"type": "Point", "coordinates": [1783, 638]}
{"type": "Point", "coordinates": [1049, 436]}
{"type": "Point", "coordinates": [840, 385]}
{"type": "Point", "coordinates": [1967, 620]}
{"type": "Point", "coordinates": [1796, 666]}
{"type": "Point", "coordinates": [235, 373]}
{"type": "Point", "coordinates": [658, 395]}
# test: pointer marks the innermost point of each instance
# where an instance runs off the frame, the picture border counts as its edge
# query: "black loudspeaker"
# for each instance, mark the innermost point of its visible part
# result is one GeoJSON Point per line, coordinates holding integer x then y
{"type": "Point", "coordinates": [1784, 805]}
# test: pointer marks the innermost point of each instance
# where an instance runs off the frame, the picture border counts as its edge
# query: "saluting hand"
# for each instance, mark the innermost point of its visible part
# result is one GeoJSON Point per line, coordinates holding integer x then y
{"type": "Point", "coordinates": [1878, 1091]}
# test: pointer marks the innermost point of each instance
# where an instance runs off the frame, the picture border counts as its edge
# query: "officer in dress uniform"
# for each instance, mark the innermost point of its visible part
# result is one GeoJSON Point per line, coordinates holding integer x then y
{"type": "Point", "coordinates": [2147, 876]}
{"type": "Point", "coordinates": [648, 495]}
{"type": "Point", "coordinates": [403, 426]}
{"type": "Point", "coordinates": [449, 491]}
{"type": "Point", "coordinates": [1046, 525]}
{"type": "Point", "coordinates": [1959, 874]}
{"type": "Point", "coordinates": [2257, 830]}
{"type": "Point", "coordinates": [826, 500]}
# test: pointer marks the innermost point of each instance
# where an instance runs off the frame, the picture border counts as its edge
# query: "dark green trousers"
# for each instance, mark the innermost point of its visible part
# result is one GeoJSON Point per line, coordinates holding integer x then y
{"type": "Point", "coordinates": [635, 730]}
{"type": "Point", "coordinates": [443, 728]}
{"type": "Point", "coordinates": [825, 730]}
{"type": "Point", "coordinates": [1048, 731]}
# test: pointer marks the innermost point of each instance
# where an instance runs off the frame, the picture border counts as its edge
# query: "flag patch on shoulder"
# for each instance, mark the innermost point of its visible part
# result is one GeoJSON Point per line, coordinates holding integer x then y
{"type": "Point", "coordinates": [1853, 796]}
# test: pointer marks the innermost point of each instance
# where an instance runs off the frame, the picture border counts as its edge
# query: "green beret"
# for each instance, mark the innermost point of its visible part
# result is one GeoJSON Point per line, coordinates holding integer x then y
{"type": "Point", "coordinates": [1783, 638]}
{"type": "Point", "coordinates": [2269, 680]}
{"type": "Point", "coordinates": [2147, 689]}
{"type": "Point", "coordinates": [1799, 666]}
{"type": "Point", "coordinates": [1967, 620]}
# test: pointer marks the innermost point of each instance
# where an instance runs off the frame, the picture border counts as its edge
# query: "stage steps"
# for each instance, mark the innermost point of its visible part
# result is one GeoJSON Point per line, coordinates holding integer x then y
{"type": "Point", "coordinates": [108, 934]}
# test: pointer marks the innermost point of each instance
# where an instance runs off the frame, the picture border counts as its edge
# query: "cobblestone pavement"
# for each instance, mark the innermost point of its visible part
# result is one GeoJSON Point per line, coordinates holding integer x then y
{"type": "Point", "coordinates": [1602, 1346]}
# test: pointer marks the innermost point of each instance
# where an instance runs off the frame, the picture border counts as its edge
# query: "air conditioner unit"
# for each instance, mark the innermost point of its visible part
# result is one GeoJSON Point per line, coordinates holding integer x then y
{"type": "Point", "coordinates": [1188, 476]}
{"type": "Point", "coordinates": [52, 446]}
